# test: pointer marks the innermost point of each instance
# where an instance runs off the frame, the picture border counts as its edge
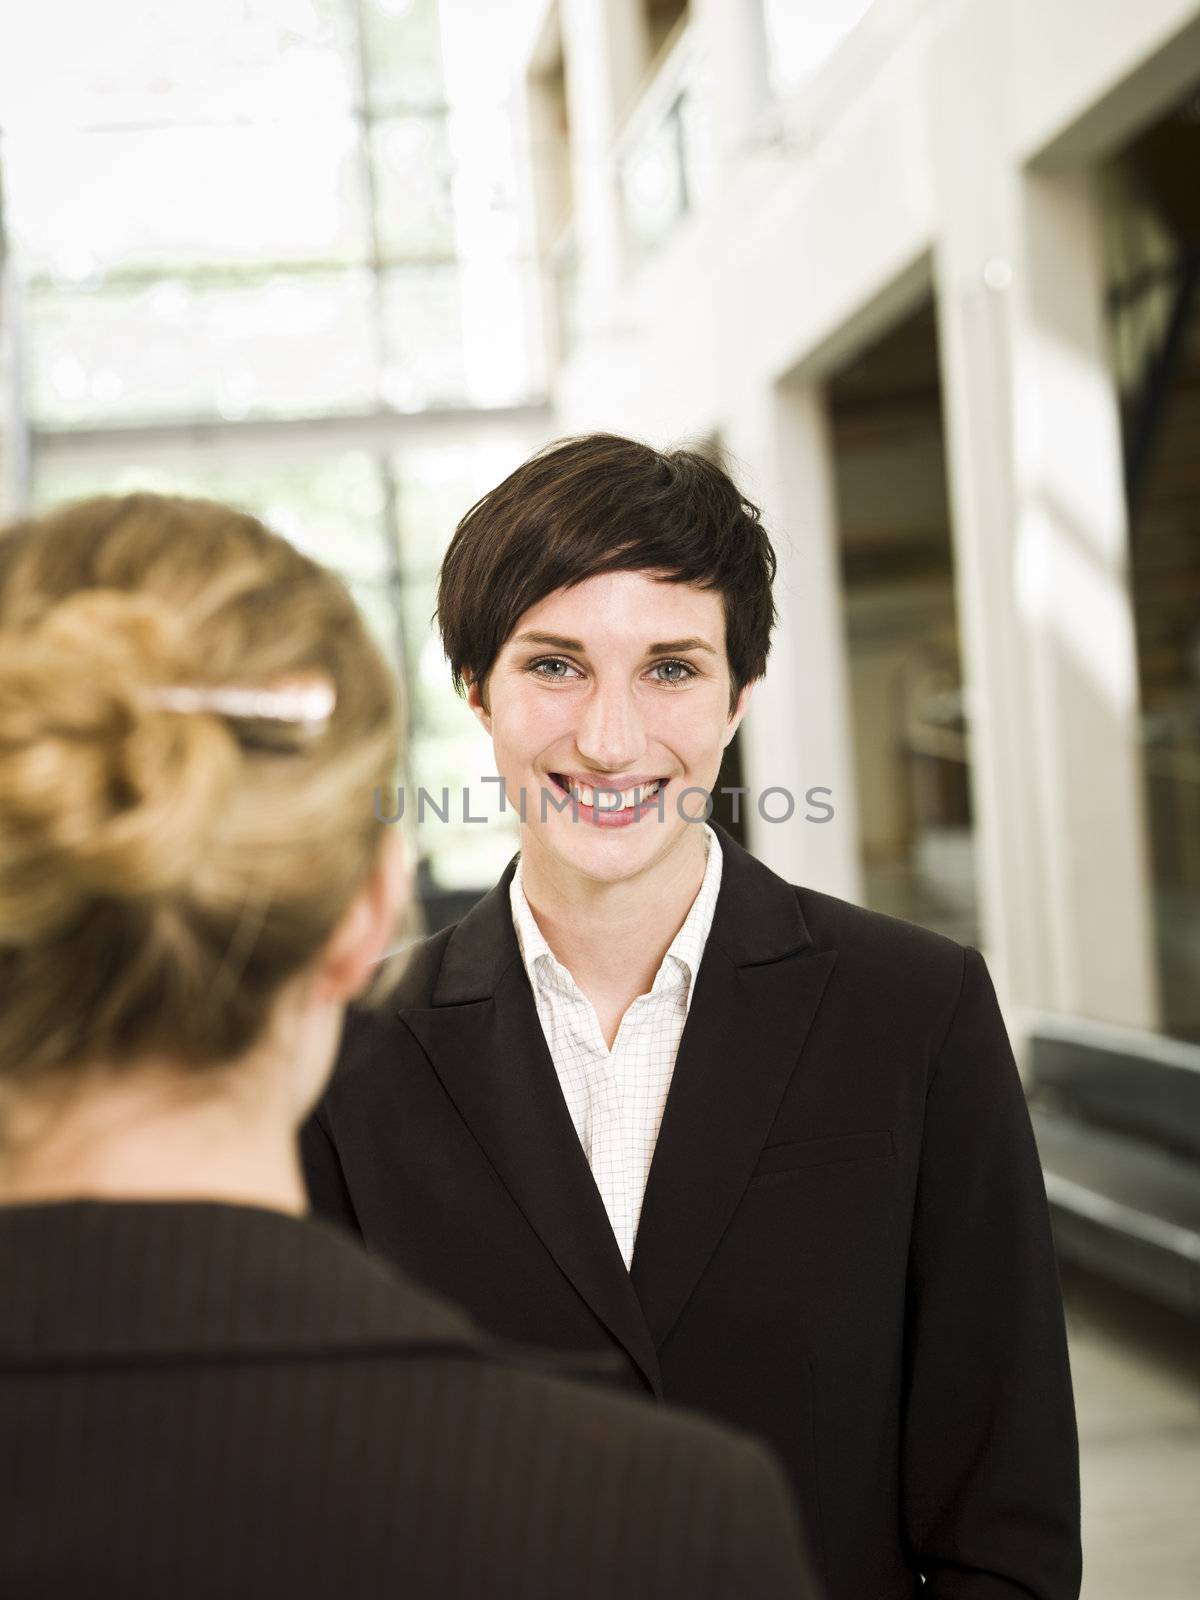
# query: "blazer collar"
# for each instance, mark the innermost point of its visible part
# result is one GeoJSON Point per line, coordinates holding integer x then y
{"type": "Point", "coordinates": [758, 916]}
{"type": "Point", "coordinates": [89, 1281]}
{"type": "Point", "coordinates": [758, 919]}
{"type": "Point", "coordinates": [484, 1040]}
{"type": "Point", "coordinates": [481, 949]}
{"type": "Point", "coordinates": [757, 992]}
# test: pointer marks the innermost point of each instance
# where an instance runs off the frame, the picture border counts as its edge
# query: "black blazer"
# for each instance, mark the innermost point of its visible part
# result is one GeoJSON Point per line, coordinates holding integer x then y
{"type": "Point", "coordinates": [844, 1244]}
{"type": "Point", "coordinates": [202, 1401]}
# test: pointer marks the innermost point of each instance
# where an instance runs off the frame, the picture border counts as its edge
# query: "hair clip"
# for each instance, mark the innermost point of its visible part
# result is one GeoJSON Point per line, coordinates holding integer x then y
{"type": "Point", "coordinates": [305, 702]}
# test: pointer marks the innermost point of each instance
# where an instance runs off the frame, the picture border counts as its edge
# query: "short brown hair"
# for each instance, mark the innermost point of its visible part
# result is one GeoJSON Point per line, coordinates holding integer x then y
{"type": "Point", "coordinates": [161, 875]}
{"type": "Point", "coordinates": [601, 503]}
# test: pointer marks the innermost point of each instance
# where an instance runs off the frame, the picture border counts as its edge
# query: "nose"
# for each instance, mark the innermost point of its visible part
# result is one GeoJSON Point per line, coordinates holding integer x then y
{"type": "Point", "coordinates": [611, 735]}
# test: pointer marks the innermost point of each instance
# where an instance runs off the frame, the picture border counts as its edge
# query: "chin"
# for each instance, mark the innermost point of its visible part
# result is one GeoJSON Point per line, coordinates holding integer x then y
{"type": "Point", "coordinates": [609, 855]}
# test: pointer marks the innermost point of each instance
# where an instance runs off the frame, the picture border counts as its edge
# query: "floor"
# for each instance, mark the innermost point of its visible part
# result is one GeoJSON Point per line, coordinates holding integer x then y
{"type": "Point", "coordinates": [1137, 1392]}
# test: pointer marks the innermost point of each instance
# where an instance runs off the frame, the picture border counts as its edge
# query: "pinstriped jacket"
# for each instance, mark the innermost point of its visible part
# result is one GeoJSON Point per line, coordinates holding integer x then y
{"type": "Point", "coordinates": [221, 1401]}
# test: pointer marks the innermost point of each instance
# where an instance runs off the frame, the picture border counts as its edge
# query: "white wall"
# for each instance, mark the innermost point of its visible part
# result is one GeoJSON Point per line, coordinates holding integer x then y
{"type": "Point", "coordinates": [944, 146]}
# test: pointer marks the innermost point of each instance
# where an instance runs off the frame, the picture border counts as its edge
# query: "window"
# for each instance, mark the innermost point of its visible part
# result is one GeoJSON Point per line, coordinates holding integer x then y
{"type": "Point", "coordinates": [272, 237]}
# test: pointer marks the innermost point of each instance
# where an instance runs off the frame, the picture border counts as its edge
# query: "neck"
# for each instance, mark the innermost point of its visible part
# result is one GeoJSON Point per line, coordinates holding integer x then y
{"type": "Point", "coordinates": [154, 1133]}
{"type": "Point", "coordinates": [612, 937]}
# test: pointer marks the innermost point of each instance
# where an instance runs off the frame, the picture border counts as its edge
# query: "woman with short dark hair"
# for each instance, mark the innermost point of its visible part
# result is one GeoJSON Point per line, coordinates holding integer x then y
{"type": "Point", "coordinates": [770, 1146]}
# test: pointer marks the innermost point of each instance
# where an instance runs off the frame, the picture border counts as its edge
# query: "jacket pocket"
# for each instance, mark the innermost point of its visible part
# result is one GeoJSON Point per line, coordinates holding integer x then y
{"type": "Point", "coordinates": [780, 1158]}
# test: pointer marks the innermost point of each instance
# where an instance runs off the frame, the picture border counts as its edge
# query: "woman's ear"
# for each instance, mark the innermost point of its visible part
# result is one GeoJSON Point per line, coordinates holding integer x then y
{"type": "Point", "coordinates": [477, 703]}
{"type": "Point", "coordinates": [739, 711]}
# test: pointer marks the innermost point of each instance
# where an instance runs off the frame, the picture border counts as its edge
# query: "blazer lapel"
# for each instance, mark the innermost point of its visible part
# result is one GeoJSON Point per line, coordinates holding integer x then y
{"type": "Point", "coordinates": [486, 1044]}
{"type": "Point", "coordinates": [758, 989]}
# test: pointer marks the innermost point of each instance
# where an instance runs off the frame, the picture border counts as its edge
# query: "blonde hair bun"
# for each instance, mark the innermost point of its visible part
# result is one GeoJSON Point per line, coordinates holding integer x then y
{"type": "Point", "coordinates": [165, 866]}
{"type": "Point", "coordinates": [101, 790]}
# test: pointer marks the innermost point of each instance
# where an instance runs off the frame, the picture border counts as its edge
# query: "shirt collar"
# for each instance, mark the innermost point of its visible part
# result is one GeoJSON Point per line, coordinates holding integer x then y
{"type": "Point", "coordinates": [541, 964]}
{"type": "Point", "coordinates": [681, 963]}
{"type": "Point", "coordinates": [687, 947]}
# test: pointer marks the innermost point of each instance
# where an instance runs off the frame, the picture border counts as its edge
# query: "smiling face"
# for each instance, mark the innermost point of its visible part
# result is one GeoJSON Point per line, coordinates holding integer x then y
{"type": "Point", "coordinates": [617, 683]}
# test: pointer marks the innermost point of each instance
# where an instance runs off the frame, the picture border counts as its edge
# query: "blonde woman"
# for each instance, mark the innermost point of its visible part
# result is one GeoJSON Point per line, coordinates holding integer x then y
{"type": "Point", "coordinates": [202, 1391]}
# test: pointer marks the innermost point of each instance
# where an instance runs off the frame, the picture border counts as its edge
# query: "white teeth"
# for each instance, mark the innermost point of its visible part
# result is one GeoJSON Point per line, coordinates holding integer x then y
{"type": "Point", "coordinates": [615, 802]}
{"type": "Point", "coordinates": [637, 797]}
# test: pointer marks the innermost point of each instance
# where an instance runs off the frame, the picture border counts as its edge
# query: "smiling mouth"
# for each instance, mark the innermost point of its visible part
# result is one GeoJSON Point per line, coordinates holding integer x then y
{"type": "Point", "coordinates": [626, 804]}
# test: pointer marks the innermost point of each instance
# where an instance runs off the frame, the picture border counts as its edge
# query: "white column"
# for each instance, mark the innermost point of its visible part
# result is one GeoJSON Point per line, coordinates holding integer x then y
{"type": "Point", "coordinates": [1073, 597]}
{"type": "Point", "coordinates": [1009, 835]}
{"type": "Point", "coordinates": [735, 49]}
{"type": "Point", "coordinates": [973, 273]}
{"type": "Point", "coordinates": [1040, 555]}
{"type": "Point", "coordinates": [798, 734]}
{"type": "Point", "coordinates": [605, 53]}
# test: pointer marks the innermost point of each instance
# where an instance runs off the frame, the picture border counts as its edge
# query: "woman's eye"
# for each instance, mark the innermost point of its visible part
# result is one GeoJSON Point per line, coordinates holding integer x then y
{"type": "Point", "coordinates": [550, 667]}
{"type": "Point", "coordinates": [680, 671]}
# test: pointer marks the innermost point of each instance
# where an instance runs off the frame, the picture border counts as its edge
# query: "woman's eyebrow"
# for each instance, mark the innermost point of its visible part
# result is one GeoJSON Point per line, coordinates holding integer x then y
{"type": "Point", "coordinates": [672, 646]}
{"type": "Point", "coordinates": [555, 640]}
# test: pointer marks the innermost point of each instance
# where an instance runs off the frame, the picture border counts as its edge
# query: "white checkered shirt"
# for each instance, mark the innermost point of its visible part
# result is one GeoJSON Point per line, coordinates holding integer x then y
{"type": "Point", "coordinates": [616, 1098]}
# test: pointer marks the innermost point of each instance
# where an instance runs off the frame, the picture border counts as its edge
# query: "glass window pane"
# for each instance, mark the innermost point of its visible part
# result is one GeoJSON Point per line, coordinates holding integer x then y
{"type": "Point", "coordinates": [461, 854]}
{"type": "Point", "coordinates": [131, 61]}
{"type": "Point", "coordinates": [435, 708]}
{"type": "Point", "coordinates": [486, 218]}
{"type": "Point", "coordinates": [413, 188]}
{"type": "Point", "coordinates": [402, 42]}
{"type": "Point", "coordinates": [459, 335]}
{"type": "Point", "coordinates": [450, 762]}
{"type": "Point", "coordinates": [276, 192]}
{"type": "Point", "coordinates": [423, 338]}
{"type": "Point", "coordinates": [435, 485]}
{"type": "Point", "coordinates": [377, 605]}
{"type": "Point", "coordinates": [501, 354]}
{"type": "Point", "coordinates": [328, 505]}
{"type": "Point", "coordinates": [290, 346]}
{"type": "Point", "coordinates": [451, 752]}
{"type": "Point", "coordinates": [441, 710]}
{"type": "Point", "coordinates": [481, 50]}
